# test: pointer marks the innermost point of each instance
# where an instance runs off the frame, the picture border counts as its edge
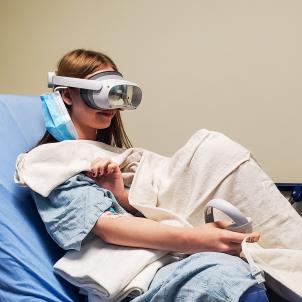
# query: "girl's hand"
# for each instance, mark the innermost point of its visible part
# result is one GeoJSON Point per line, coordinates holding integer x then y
{"type": "Point", "coordinates": [216, 238]}
{"type": "Point", "coordinates": [107, 175]}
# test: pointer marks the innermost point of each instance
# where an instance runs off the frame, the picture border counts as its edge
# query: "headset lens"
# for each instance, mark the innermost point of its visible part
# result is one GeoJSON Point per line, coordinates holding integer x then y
{"type": "Point", "coordinates": [125, 95]}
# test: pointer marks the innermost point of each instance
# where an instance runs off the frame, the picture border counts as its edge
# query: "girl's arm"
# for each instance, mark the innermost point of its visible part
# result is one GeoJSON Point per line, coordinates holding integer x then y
{"type": "Point", "coordinates": [145, 233]}
{"type": "Point", "coordinates": [124, 202]}
{"type": "Point", "coordinates": [107, 175]}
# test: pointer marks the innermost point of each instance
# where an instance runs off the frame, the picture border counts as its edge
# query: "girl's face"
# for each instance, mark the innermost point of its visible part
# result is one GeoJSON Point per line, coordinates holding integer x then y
{"type": "Point", "coordinates": [85, 119]}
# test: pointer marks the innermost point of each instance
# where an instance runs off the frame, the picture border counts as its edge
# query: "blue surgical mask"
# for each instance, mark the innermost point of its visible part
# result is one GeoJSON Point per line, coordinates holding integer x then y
{"type": "Point", "coordinates": [56, 117]}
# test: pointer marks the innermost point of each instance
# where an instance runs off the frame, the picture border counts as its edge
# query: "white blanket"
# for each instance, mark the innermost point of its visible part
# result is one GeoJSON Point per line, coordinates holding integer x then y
{"type": "Point", "coordinates": [107, 272]}
{"type": "Point", "coordinates": [175, 189]}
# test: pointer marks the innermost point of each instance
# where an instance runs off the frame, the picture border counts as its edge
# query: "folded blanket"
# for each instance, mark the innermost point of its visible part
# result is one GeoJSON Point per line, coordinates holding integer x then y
{"type": "Point", "coordinates": [137, 286]}
{"type": "Point", "coordinates": [175, 190]}
{"type": "Point", "coordinates": [107, 272]}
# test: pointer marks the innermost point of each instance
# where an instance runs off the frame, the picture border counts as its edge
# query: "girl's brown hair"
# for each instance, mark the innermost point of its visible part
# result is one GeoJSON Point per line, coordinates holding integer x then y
{"type": "Point", "coordinates": [80, 63]}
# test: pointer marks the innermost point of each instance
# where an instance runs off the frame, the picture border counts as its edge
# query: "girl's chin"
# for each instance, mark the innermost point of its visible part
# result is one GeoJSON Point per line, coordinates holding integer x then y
{"type": "Point", "coordinates": [103, 125]}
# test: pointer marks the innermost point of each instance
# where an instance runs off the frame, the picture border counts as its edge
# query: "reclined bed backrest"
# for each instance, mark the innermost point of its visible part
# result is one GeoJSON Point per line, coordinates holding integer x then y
{"type": "Point", "coordinates": [27, 253]}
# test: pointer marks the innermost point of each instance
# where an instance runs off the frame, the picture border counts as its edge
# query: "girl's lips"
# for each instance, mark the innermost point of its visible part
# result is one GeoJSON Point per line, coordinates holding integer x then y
{"type": "Point", "coordinates": [108, 114]}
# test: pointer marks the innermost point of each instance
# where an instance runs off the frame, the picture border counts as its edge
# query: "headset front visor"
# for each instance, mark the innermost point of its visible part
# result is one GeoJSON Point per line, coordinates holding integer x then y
{"type": "Point", "coordinates": [124, 96]}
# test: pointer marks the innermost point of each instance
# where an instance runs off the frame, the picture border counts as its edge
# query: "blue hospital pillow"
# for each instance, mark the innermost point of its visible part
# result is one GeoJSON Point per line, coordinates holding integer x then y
{"type": "Point", "coordinates": [27, 253]}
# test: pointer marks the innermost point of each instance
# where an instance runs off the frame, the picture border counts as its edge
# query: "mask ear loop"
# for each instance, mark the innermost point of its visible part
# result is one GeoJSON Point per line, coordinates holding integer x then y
{"type": "Point", "coordinates": [58, 88]}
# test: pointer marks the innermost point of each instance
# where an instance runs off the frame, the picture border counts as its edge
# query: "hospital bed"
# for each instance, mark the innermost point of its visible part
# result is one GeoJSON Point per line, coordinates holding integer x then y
{"type": "Point", "coordinates": [27, 253]}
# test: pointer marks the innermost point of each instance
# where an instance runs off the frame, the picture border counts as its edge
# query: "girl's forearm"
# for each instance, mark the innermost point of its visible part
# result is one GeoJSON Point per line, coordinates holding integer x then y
{"type": "Point", "coordinates": [124, 202]}
{"type": "Point", "coordinates": [146, 233]}
{"type": "Point", "coordinates": [140, 232]}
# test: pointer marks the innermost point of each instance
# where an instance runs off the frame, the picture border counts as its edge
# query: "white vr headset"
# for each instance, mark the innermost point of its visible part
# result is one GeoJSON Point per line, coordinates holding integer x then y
{"type": "Point", "coordinates": [104, 90]}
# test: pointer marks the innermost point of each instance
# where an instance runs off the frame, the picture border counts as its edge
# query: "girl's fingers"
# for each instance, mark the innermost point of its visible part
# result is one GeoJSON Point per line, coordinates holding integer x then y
{"type": "Point", "coordinates": [100, 170]}
{"type": "Point", "coordinates": [97, 167]}
{"type": "Point", "coordinates": [222, 224]}
{"type": "Point", "coordinates": [232, 248]}
{"type": "Point", "coordinates": [252, 237]}
{"type": "Point", "coordinates": [101, 167]}
{"type": "Point", "coordinates": [236, 237]}
{"type": "Point", "coordinates": [95, 171]}
{"type": "Point", "coordinates": [111, 168]}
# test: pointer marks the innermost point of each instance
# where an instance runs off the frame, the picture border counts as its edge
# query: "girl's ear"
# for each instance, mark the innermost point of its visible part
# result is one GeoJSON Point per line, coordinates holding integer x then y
{"type": "Point", "coordinates": [66, 96]}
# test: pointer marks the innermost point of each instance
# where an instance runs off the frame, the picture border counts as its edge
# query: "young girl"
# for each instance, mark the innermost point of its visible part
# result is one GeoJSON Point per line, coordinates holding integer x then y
{"type": "Point", "coordinates": [99, 195]}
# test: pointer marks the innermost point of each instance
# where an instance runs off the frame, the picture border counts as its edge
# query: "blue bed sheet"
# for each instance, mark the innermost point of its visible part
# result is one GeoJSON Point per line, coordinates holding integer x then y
{"type": "Point", "coordinates": [27, 253]}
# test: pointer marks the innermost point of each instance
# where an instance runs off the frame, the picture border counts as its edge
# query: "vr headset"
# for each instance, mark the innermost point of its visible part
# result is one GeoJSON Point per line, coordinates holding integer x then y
{"type": "Point", "coordinates": [104, 90]}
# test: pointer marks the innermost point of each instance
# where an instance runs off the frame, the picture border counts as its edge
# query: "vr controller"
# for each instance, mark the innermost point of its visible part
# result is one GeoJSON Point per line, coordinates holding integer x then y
{"type": "Point", "coordinates": [241, 223]}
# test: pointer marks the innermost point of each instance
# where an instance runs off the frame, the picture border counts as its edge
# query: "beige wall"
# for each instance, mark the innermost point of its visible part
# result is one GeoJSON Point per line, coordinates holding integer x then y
{"type": "Point", "coordinates": [230, 66]}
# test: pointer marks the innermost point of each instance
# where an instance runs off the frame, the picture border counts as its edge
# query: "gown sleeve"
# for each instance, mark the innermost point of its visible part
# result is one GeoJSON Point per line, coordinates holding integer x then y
{"type": "Point", "coordinates": [72, 209]}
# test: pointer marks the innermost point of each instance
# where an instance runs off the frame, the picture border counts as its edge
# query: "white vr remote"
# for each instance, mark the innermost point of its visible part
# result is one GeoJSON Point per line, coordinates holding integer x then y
{"type": "Point", "coordinates": [241, 223]}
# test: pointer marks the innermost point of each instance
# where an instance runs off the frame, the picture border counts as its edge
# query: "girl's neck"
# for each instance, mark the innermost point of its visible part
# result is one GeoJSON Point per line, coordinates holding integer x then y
{"type": "Point", "coordinates": [86, 133]}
